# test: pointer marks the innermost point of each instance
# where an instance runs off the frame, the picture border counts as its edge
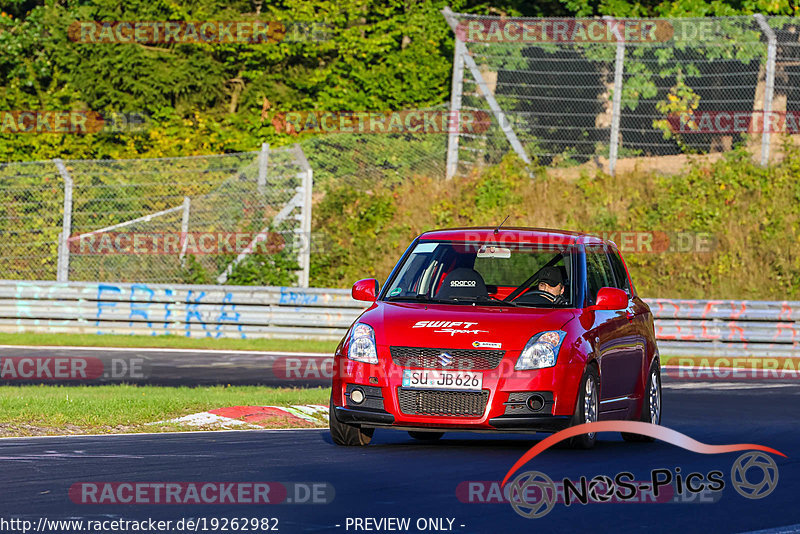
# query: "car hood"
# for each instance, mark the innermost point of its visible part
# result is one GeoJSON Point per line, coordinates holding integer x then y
{"type": "Point", "coordinates": [460, 326]}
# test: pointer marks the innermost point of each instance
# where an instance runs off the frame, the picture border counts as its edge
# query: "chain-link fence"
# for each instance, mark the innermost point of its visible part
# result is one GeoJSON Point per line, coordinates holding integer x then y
{"type": "Point", "coordinates": [579, 92]}
{"type": "Point", "coordinates": [194, 219]}
{"type": "Point", "coordinates": [616, 92]}
{"type": "Point", "coordinates": [31, 204]}
{"type": "Point", "coordinates": [153, 220]}
{"type": "Point", "coordinates": [369, 160]}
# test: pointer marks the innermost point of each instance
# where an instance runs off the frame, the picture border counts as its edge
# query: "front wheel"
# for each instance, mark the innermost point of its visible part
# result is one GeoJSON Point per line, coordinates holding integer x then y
{"type": "Point", "coordinates": [345, 434]}
{"type": "Point", "coordinates": [587, 408]}
{"type": "Point", "coordinates": [651, 403]}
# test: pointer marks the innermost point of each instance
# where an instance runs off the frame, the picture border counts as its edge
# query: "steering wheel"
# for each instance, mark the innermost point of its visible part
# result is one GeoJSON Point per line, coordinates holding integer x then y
{"type": "Point", "coordinates": [538, 293]}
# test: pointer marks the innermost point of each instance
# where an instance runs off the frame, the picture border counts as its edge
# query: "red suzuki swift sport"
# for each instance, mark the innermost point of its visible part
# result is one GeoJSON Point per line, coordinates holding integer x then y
{"type": "Point", "coordinates": [515, 329]}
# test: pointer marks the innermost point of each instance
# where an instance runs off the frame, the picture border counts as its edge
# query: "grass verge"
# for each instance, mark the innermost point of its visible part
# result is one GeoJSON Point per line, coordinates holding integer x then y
{"type": "Point", "coordinates": [46, 410]}
{"type": "Point", "coordinates": [168, 341]}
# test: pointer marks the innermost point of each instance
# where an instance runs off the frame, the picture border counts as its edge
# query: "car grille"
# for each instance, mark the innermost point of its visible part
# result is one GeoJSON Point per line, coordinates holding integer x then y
{"type": "Point", "coordinates": [454, 403]}
{"type": "Point", "coordinates": [427, 358]}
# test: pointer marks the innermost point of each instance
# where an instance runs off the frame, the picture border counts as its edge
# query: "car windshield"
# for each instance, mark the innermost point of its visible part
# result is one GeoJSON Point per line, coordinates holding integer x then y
{"type": "Point", "coordinates": [485, 274]}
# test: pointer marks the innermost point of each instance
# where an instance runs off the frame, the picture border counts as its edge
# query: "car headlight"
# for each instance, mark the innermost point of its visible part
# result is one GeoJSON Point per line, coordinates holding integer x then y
{"type": "Point", "coordinates": [362, 344]}
{"type": "Point", "coordinates": [540, 351]}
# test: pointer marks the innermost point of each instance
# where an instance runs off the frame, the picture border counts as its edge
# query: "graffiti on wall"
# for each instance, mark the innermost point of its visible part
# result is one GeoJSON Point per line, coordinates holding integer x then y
{"type": "Point", "coordinates": [150, 310]}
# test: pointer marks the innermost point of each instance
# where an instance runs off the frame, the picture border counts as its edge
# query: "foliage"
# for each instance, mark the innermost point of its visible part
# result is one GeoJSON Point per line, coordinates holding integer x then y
{"type": "Point", "coordinates": [212, 98]}
{"type": "Point", "coordinates": [207, 98]}
{"type": "Point", "coordinates": [750, 214]}
{"type": "Point", "coordinates": [378, 55]}
{"type": "Point", "coordinates": [361, 228]}
{"type": "Point", "coordinates": [276, 269]}
{"type": "Point", "coordinates": [680, 104]}
{"type": "Point", "coordinates": [193, 272]}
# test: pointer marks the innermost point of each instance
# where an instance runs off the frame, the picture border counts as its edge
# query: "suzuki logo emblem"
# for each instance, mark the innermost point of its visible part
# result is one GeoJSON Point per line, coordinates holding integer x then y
{"type": "Point", "coordinates": [445, 359]}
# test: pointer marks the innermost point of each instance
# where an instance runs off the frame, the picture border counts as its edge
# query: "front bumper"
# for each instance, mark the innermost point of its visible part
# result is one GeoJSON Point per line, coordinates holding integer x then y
{"type": "Point", "coordinates": [364, 417]}
{"type": "Point", "coordinates": [507, 423]}
{"type": "Point", "coordinates": [387, 402]}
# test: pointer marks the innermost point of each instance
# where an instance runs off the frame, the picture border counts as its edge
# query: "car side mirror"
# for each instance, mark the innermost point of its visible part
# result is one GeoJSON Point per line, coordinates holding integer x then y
{"type": "Point", "coordinates": [366, 290]}
{"type": "Point", "coordinates": [610, 298]}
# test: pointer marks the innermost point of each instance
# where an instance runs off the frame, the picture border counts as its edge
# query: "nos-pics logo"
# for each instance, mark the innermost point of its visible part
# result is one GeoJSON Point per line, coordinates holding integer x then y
{"type": "Point", "coordinates": [533, 494]}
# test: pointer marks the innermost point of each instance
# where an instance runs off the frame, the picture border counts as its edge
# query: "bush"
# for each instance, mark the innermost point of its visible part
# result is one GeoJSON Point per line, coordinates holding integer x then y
{"type": "Point", "coordinates": [752, 213]}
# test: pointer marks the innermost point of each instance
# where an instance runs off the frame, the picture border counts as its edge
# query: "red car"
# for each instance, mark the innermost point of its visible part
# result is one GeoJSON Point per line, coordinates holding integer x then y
{"type": "Point", "coordinates": [485, 329]}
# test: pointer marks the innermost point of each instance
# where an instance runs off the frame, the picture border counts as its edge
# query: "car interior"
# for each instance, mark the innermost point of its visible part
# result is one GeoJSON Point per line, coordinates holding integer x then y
{"type": "Point", "coordinates": [458, 276]}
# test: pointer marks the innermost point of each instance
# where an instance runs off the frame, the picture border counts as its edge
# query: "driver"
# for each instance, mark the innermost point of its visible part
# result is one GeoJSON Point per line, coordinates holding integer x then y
{"type": "Point", "coordinates": [551, 285]}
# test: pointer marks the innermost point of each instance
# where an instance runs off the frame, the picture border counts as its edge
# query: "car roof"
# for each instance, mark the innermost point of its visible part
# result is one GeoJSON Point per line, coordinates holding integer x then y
{"type": "Point", "coordinates": [515, 235]}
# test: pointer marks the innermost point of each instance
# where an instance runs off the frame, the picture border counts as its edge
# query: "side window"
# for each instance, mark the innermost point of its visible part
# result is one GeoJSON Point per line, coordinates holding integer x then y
{"type": "Point", "coordinates": [619, 272]}
{"type": "Point", "coordinates": [598, 272]}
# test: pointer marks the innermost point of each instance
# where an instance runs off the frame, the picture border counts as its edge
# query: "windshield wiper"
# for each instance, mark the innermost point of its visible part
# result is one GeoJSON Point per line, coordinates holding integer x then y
{"type": "Point", "coordinates": [417, 298]}
{"type": "Point", "coordinates": [453, 300]}
{"type": "Point", "coordinates": [503, 302]}
{"type": "Point", "coordinates": [483, 300]}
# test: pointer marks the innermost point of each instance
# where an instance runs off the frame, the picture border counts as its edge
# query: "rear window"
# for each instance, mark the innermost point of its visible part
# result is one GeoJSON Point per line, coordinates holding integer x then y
{"type": "Point", "coordinates": [598, 272]}
{"type": "Point", "coordinates": [619, 272]}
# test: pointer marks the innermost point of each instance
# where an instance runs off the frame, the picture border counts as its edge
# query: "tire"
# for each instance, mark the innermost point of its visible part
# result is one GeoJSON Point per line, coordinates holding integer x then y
{"type": "Point", "coordinates": [345, 434]}
{"type": "Point", "coordinates": [651, 404]}
{"type": "Point", "coordinates": [426, 436]}
{"type": "Point", "coordinates": [586, 410]}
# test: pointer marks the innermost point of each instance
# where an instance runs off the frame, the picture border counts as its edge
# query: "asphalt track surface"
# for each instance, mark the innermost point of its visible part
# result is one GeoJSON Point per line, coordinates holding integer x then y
{"type": "Point", "coordinates": [399, 477]}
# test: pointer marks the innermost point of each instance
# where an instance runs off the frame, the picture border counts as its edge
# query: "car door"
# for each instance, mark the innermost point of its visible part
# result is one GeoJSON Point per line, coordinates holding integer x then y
{"type": "Point", "coordinates": [613, 339]}
{"type": "Point", "coordinates": [638, 330]}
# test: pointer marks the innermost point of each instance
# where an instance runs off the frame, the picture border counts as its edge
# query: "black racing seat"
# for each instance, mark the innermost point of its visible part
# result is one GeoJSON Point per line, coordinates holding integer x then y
{"type": "Point", "coordinates": [463, 283]}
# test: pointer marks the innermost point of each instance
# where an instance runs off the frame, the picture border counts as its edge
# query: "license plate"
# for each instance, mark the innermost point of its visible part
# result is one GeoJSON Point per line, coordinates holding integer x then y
{"type": "Point", "coordinates": [435, 379]}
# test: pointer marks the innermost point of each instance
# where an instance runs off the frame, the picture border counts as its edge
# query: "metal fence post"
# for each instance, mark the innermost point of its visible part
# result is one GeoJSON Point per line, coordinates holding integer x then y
{"type": "Point", "coordinates": [263, 160]}
{"type": "Point", "coordinates": [616, 104]}
{"type": "Point", "coordinates": [305, 218]}
{"type": "Point", "coordinates": [455, 106]}
{"type": "Point", "coordinates": [62, 270]}
{"type": "Point", "coordinates": [769, 86]}
{"type": "Point", "coordinates": [184, 229]}
{"type": "Point", "coordinates": [487, 94]}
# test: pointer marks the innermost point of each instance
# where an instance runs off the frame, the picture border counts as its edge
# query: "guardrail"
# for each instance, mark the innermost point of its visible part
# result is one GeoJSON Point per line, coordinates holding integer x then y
{"type": "Point", "coordinates": [727, 328]}
{"type": "Point", "coordinates": [186, 310]}
{"type": "Point", "coordinates": [718, 328]}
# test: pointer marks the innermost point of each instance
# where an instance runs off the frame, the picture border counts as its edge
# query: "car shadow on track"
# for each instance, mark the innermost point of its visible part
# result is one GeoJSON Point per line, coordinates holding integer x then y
{"type": "Point", "coordinates": [396, 439]}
